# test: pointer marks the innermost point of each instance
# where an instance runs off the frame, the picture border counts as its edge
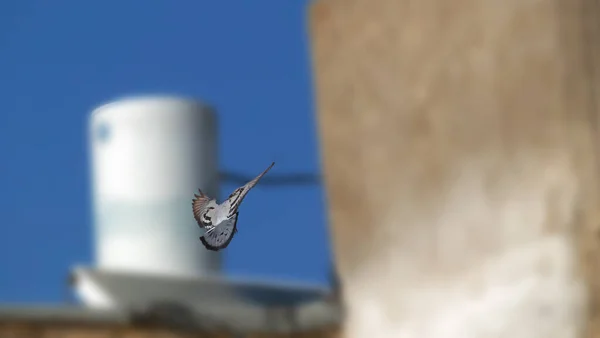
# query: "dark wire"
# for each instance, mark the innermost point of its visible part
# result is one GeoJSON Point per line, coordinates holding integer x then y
{"type": "Point", "coordinates": [272, 180]}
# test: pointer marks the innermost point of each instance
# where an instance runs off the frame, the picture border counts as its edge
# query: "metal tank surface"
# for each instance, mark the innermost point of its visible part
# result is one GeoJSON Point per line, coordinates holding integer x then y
{"type": "Point", "coordinates": [149, 154]}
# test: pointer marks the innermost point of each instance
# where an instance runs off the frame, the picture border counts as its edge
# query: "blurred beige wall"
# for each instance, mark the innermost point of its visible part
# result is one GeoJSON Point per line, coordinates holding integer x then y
{"type": "Point", "coordinates": [459, 150]}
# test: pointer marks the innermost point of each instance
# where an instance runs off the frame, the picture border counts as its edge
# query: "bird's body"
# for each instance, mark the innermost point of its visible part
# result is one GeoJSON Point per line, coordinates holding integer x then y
{"type": "Point", "coordinates": [220, 220]}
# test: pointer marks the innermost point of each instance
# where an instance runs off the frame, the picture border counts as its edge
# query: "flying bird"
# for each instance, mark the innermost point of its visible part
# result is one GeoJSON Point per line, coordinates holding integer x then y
{"type": "Point", "coordinates": [220, 220]}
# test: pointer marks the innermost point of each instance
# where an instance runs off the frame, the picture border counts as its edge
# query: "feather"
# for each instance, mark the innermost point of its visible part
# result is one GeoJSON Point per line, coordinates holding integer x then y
{"type": "Point", "coordinates": [220, 220]}
{"type": "Point", "coordinates": [237, 196]}
{"type": "Point", "coordinates": [221, 235]}
{"type": "Point", "coordinates": [203, 209]}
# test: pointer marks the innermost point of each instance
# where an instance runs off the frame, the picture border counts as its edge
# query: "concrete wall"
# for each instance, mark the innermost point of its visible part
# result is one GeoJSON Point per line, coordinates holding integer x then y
{"type": "Point", "coordinates": [459, 149]}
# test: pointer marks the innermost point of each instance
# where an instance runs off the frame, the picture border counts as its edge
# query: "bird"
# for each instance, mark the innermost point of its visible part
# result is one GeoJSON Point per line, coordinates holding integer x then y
{"type": "Point", "coordinates": [219, 221]}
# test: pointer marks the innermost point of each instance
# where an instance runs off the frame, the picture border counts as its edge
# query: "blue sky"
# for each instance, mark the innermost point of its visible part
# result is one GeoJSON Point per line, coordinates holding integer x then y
{"type": "Point", "coordinates": [59, 59]}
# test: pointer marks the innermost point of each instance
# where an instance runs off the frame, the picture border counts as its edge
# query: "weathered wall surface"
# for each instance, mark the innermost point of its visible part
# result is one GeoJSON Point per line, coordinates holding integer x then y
{"type": "Point", "coordinates": [459, 151]}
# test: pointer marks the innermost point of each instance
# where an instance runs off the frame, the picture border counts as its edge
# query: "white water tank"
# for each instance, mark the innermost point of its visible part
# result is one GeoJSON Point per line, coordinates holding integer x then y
{"type": "Point", "coordinates": [150, 155]}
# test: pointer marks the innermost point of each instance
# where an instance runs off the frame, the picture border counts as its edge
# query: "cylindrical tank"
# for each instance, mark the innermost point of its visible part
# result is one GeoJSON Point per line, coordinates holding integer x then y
{"type": "Point", "coordinates": [149, 155]}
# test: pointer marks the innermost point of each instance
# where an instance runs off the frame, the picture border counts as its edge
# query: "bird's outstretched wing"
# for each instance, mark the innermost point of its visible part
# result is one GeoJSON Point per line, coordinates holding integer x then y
{"type": "Point", "coordinates": [220, 236]}
{"type": "Point", "coordinates": [203, 208]}
{"type": "Point", "coordinates": [233, 201]}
